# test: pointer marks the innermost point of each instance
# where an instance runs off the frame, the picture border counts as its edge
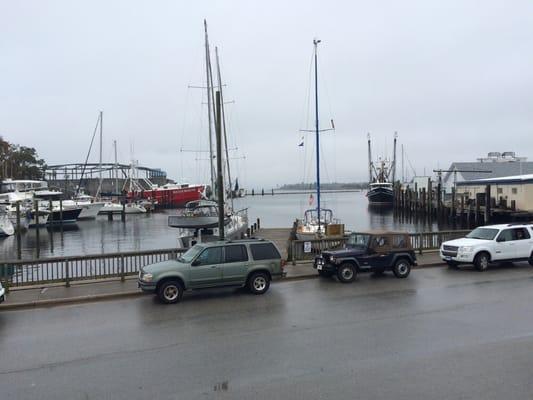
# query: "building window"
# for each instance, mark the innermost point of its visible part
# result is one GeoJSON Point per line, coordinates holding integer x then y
{"type": "Point", "coordinates": [500, 190]}
{"type": "Point", "coordinates": [514, 190]}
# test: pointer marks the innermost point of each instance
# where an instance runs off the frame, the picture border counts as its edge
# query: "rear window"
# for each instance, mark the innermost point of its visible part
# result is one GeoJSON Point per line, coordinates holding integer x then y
{"type": "Point", "coordinates": [400, 241]}
{"type": "Point", "coordinates": [264, 251]}
{"type": "Point", "coordinates": [235, 254]}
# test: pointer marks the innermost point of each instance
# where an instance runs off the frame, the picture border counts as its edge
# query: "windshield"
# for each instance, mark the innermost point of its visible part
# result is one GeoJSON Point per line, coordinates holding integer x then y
{"type": "Point", "coordinates": [483, 233]}
{"type": "Point", "coordinates": [190, 254]}
{"type": "Point", "coordinates": [358, 239]}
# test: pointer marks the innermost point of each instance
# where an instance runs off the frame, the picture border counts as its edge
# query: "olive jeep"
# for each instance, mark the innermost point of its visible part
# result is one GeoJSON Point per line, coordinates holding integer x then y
{"type": "Point", "coordinates": [368, 252]}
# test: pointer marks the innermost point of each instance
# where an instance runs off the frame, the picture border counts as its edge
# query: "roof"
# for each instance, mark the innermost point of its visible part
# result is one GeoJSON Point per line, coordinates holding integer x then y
{"type": "Point", "coordinates": [520, 179]}
{"type": "Point", "coordinates": [497, 169]}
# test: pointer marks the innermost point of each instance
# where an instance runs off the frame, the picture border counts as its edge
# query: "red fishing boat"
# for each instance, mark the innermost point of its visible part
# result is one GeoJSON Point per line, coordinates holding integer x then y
{"type": "Point", "coordinates": [170, 195]}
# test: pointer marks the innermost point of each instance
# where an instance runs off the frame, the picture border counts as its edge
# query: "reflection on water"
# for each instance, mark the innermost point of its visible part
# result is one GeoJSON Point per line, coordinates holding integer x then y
{"type": "Point", "coordinates": [150, 231]}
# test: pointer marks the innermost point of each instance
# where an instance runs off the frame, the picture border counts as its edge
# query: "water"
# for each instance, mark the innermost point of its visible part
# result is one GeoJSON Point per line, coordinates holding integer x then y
{"type": "Point", "coordinates": [150, 231]}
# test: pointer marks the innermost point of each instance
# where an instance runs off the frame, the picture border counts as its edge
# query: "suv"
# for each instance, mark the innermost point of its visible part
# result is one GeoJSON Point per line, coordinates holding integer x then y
{"type": "Point", "coordinates": [2, 293]}
{"type": "Point", "coordinates": [368, 252]}
{"type": "Point", "coordinates": [252, 263]}
{"type": "Point", "coordinates": [507, 242]}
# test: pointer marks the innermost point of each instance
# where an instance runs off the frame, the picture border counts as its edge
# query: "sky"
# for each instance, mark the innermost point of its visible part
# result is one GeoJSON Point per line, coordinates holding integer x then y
{"type": "Point", "coordinates": [454, 78]}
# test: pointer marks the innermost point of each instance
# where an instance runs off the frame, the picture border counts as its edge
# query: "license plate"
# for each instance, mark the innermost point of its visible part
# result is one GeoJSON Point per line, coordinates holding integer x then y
{"type": "Point", "coordinates": [448, 258]}
{"type": "Point", "coordinates": [319, 267]}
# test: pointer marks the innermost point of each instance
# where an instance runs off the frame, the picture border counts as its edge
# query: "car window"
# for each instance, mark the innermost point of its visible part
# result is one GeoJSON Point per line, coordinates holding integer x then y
{"type": "Point", "coordinates": [521, 234]}
{"type": "Point", "coordinates": [264, 251]}
{"type": "Point", "coordinates": [380, 242]}
{"type": "Point", "coordinates": [235, 254]}
{"type": "Point", "coordinates": [507, 235]}
{"type": "Point", "coordinates": [211, 255]}
{"type": "Point", "coordinates": [399, 241]}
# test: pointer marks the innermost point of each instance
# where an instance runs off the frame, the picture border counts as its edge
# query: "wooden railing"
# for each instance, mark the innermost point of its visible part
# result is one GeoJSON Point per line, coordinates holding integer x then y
{"type": "Point", "coordinates": [300, 250]}
{"type": "Point", "coordinates": [78, 268]}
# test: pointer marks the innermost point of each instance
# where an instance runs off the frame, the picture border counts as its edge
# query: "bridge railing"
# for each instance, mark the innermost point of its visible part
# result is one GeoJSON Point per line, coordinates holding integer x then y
{"type": "Point", "coordinates": [78, 268]}
{"type": "Point", "coordinates": [301, 250]}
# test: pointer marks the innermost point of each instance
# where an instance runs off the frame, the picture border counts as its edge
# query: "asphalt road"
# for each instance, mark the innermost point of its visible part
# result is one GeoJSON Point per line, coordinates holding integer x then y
{"type": "Point", "coordinates": [440, 334]}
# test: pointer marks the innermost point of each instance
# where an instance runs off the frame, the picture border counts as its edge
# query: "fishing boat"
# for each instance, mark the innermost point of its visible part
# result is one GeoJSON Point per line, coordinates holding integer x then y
{"type": "Point", "coordinates": [318, 222]}
{"type": "Point", "coordinates": [382, 174]}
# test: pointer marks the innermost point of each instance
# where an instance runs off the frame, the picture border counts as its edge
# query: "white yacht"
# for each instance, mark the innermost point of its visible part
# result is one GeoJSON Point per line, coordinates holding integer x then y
{"type": "Point", "coordinates": [116, 208]}
{"type": "Point", "coordinates": [89, 207]}
{"type": "Point", "coordinates": [6, 226]}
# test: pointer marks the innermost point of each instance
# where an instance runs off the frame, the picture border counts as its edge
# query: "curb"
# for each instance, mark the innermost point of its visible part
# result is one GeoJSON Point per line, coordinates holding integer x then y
{"type": "Point", "coordinates": [136, 293]}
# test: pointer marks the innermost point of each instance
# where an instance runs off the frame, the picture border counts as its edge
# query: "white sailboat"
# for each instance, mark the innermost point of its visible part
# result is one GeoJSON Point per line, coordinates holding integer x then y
{"type": "Point", "coordinates": [318, 222]}
{"type": "Point", "coordinates": [199, 221]}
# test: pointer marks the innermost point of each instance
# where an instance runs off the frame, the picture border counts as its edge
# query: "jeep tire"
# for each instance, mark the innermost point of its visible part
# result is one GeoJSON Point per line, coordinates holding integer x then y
{"type": "Point", "coordinates": [170, 292]}
{"type": "Point", "coordinates": [481, 261]}
{"type": "Point", "coordinates": [346, 272]}
{"type": "Point", "coordinates": [258, 283]}
{"type": "Point", "coordinates": [402, 268]}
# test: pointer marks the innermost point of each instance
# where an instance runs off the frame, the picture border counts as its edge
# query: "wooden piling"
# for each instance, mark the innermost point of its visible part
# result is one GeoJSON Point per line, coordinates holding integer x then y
{"type": "Point", "coordinates": [487, 205]}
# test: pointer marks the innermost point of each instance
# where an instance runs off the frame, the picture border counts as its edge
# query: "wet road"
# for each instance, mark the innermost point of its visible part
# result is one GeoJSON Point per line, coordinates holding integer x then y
{"type": "Point", "coordinates": [440, 334]}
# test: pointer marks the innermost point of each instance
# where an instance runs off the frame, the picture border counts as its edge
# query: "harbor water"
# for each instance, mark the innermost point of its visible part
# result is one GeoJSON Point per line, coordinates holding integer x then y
{"type": "Point", "coordinates": [150, 231]}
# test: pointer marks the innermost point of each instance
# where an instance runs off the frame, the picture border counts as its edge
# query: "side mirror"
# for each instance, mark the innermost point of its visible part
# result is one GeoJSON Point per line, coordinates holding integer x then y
{"type": "Point", "coordinates": [500, 239]}
{"type": "Point", "coordinates": [195, 263]}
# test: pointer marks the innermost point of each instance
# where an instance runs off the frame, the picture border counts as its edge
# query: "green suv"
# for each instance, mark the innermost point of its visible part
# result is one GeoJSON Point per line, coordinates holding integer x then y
{"type": "Point", "coordinates": [252, 263]}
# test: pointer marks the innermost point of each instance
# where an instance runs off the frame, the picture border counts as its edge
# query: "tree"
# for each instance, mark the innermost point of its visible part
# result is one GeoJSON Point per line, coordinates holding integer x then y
{"type": "Point", "coordinates": [20, 162]}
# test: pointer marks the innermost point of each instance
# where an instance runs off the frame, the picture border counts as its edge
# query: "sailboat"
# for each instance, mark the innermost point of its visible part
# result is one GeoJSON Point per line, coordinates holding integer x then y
{"type": "Point", "coordinates": [199, 220]}
{"type": "Point", "coordinates": [318, 222]}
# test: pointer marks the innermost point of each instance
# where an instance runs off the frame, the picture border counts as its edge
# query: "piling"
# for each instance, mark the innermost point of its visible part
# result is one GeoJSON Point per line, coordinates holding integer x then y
{"type": "Point", "coordinates": [37, 234]}
{"type": "Point", "coordinates": [123, 212]}
{"type": "Point", "coordinates": [18, 231]}
{"type": "Point", "coordinates": [262, 192]}
{"type": "Point", "coordinates": [61, 214]}
{"type": "Point", "coordinates": [258, 223]}
{"type": "Point", "coordinates": [487, 205]}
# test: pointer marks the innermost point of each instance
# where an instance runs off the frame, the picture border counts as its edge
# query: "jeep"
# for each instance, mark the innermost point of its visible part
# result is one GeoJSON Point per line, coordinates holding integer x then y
{"type": "Point", "coordinates": [490, 243]}
{"type": "Point", "coordinates": [368, 252]}
{"type": "Point", "coordinates": [251, 263]}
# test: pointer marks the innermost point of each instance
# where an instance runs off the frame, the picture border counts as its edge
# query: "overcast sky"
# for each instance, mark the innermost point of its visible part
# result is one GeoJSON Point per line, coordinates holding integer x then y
{"type": "Point", "coordinates": [454, 78]}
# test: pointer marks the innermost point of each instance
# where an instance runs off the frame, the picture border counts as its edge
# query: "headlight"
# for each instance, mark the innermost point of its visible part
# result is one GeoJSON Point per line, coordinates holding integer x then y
{"type": "Point", "coordinates": [147, 277]}
{"type": "Point", "coordinates": [465, 249]}
{"type": "Point", "coordinates": [332, 259]}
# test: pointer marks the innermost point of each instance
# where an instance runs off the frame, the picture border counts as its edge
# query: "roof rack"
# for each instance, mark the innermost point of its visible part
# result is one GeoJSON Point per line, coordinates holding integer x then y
{"type": "Point", "coordinates": [520, 223]}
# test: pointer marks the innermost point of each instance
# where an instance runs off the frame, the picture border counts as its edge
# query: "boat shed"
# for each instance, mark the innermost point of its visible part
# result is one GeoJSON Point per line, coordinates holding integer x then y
{"type": "Point", "coordinates": [508, 191]}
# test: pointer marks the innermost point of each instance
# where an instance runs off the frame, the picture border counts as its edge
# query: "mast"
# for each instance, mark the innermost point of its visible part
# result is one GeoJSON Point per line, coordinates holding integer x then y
{"type": "Point", "coordinates": [220, 185]}
{"type": "Point", "coordinates": [369, 159]}
{"type": "Point", "coordinates": [209, 107]}
{"type": "Point", "coordinates": [116, 167]}
{"type": "Point", "coordinates": [394, 158]}
{"type": "Point", "coordinates": [100, 159]}
{"type": "Point", "coordinates": [317, 133]}
{"type": "Point", "coordinates": [223, 115]}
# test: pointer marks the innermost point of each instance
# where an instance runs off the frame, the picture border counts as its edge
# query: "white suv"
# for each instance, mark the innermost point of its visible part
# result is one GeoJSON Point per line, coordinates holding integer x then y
{"type": "Point", "coordinates": [492, 243]}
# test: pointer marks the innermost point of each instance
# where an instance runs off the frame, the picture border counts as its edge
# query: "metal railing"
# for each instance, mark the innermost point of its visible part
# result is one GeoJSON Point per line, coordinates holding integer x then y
{"type": "Point", "coordinates": [78, 268]}
{"type": "Point", "coordinates": [301, 250]}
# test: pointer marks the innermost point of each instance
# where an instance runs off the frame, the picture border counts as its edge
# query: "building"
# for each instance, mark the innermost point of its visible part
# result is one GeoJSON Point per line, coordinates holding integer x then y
{"type": "Point", "coordinates": [495, 165]}
{"type": "Point", "coordinates": [508, 191]}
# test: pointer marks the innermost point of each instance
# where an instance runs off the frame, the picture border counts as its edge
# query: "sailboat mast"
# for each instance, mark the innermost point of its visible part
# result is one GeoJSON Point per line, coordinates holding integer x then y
{"type": "Point", "coordinates": [394, 158]}
{"type": "Point", "coordinates": [209, 106]}
{"type": "Point", "coordinates": [100, 159]}
{"type": "Point", "coordinates": [116, 167]}
{"type": "Point", "coordinates": [223, 115]}
{"type": "Point", "coordinates": [317, 132]}
{"type": "Point", "coordinates": [220, 183]}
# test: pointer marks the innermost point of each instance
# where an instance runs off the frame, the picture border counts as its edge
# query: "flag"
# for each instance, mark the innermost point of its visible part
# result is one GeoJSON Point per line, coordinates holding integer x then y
{"type": "Point", "coordinates": [311, 199]}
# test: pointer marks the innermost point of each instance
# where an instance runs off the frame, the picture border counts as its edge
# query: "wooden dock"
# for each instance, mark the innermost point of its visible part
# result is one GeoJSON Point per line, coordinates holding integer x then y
{"type": "Point", "coordinates": [280, 237]}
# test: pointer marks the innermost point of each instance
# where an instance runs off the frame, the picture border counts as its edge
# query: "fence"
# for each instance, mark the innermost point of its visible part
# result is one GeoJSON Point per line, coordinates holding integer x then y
{"type": "Point", "coordinates": [79, 268]}
{"type": "Point", "coordinates": [300, 250]}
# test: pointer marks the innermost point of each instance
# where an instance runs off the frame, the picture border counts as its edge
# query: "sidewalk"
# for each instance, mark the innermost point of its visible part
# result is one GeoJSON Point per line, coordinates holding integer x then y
{"type": "Point", "coordinates": [80, 292]}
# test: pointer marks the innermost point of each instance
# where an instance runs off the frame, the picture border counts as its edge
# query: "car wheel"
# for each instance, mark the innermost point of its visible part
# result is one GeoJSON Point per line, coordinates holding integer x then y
{"type": "Point", "coordinates": [170, 292]}
{"type": "Point", "coordinates": [346, 273]}
{"type": "Point", "coordinates": [259, 283]}
{"type": "Point", "coordinates": [452, 264]}
{"type": "Point", "coordinates": [531, 259]}
{"type": "Point", "coordinates": [324, 274]}
{"type": "Point", "coordinates": [402, 268]}
{"type": "Point", "coordinates": [481, 261]}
